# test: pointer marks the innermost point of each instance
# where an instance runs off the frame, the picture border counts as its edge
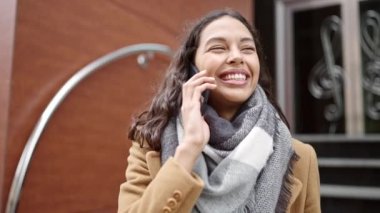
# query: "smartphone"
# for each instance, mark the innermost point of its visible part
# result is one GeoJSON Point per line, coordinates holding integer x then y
{"type": "Point", "coordinates": [193, 70]}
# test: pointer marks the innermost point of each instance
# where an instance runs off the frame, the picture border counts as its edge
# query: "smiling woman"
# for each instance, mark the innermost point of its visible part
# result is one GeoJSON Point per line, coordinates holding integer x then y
{"type": "Point", "coordinates": [231, 153]}
{"type": "Point", "coordinates": [227, 52]}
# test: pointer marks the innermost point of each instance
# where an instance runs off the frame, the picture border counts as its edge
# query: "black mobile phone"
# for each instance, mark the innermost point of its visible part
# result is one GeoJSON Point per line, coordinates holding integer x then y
{"type": "Point", "coordinates": [193, 70]}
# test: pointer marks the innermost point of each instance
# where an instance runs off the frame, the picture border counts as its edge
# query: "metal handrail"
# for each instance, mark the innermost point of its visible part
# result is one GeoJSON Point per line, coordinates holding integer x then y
{"type": "Point", "coordinates": [32, 142]}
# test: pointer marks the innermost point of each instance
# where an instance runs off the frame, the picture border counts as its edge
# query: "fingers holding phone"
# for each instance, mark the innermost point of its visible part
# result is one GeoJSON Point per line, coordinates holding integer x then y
{"type": "Point", "coordinates": [196, 130]}
{"type": "Point", "coordinates": [198, 85]}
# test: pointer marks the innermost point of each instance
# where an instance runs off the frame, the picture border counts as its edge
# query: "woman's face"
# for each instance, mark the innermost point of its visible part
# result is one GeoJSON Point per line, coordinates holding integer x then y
{"type": "Point", "coordinates": [228, 52]}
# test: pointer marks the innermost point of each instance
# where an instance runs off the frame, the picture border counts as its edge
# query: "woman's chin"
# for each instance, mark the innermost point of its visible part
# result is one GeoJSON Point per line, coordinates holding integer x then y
{"type": "Point", "coordinates": [237, 97]}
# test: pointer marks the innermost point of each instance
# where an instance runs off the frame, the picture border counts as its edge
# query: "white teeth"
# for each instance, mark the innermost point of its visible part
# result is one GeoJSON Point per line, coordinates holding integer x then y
{"type": "Point", "coordinates": [236, 76]}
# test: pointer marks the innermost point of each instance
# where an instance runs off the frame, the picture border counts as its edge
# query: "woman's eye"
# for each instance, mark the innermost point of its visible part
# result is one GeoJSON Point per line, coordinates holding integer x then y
{"type": "Point", "coordinates": [217, 49]}
{"type": "Point", "coordinates": [249, 49]}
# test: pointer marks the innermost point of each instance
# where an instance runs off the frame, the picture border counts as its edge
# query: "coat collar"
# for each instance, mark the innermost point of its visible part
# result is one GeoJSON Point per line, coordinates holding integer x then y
{"type": "Point", "coordinates": [153, 160]}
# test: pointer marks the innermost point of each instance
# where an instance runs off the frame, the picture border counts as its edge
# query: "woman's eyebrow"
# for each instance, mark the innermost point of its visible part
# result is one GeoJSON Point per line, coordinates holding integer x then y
{"type": "Point", "coordinates": [215, 39]}
{"type": "Point", "coordinates": [222, 39]}
{"type": "Point", "coordinates": [247, 39]}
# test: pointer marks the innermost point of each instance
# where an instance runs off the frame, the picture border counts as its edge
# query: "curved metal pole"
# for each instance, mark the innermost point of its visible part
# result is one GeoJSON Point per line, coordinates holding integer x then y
{"type": "Point", "coordinates": [32, 142]}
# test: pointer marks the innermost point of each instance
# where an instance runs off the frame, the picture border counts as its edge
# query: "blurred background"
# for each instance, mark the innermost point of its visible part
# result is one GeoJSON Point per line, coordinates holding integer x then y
{"type": "Point", "coordinates": [324, 56]}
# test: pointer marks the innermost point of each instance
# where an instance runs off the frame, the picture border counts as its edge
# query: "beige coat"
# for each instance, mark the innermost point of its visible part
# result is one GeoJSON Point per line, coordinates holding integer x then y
{"type": "Point", "coordinates": [152, 188]}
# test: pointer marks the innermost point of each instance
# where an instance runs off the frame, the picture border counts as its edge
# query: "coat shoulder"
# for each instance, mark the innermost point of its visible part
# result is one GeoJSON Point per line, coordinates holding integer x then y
{"type": "Point", "coordinates": [307, 159]}
{"type": "Point", "coordinates": [306, 171]}
{"type": "Point", "coordinates": [303, 149]}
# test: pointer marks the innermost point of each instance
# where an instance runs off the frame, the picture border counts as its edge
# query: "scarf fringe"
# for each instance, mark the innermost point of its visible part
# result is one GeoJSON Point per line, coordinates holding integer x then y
{"type": "Point", "coordinates": [286, 193]}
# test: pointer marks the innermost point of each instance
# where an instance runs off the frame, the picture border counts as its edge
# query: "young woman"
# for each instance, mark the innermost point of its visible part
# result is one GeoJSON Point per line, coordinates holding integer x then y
{"type": "Point", "coordinates": [215, 140]}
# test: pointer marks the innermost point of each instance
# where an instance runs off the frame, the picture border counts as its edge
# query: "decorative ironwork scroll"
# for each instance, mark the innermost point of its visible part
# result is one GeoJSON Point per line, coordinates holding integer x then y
{"type": "Point", "coordinates": [326, 78]}
{"type": "Point", "coordinates": [370, 43]}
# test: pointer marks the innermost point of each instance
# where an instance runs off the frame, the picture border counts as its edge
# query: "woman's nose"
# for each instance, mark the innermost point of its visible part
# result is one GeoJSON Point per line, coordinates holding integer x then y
{"type": "Point", "coordinates": [235, 56]}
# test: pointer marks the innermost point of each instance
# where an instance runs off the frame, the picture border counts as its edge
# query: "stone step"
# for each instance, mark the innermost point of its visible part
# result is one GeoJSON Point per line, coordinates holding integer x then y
{"type": "Point", "coordinates": [340, 146]}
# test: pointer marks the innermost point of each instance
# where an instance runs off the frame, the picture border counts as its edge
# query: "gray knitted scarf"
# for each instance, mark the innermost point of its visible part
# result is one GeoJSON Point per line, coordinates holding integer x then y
{"type": "Point", "coordinates": [246, 164]}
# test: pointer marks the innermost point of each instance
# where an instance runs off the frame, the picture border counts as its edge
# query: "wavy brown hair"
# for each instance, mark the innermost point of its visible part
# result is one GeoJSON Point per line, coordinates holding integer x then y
{"type": "Point", "coordinates": [149, 125]}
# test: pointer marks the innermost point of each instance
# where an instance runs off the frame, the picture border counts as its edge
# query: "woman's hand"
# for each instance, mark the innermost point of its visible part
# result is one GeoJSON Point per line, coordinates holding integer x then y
{"type": "Point", "coordinates": [196, 131]}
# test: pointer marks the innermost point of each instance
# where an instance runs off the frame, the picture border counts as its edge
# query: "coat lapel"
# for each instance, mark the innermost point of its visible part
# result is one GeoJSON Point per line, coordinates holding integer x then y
{"type": "Point", "coordinates": [295, 191]}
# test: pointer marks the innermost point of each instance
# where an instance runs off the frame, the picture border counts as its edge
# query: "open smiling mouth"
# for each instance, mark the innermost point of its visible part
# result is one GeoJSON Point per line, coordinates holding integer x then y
{"type": "Point", "coordinates": [234, 76]}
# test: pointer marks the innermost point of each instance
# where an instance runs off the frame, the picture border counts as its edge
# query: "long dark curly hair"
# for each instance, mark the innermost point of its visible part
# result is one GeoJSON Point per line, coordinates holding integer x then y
{"type": "Point", "coordinates": [149, 125]}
